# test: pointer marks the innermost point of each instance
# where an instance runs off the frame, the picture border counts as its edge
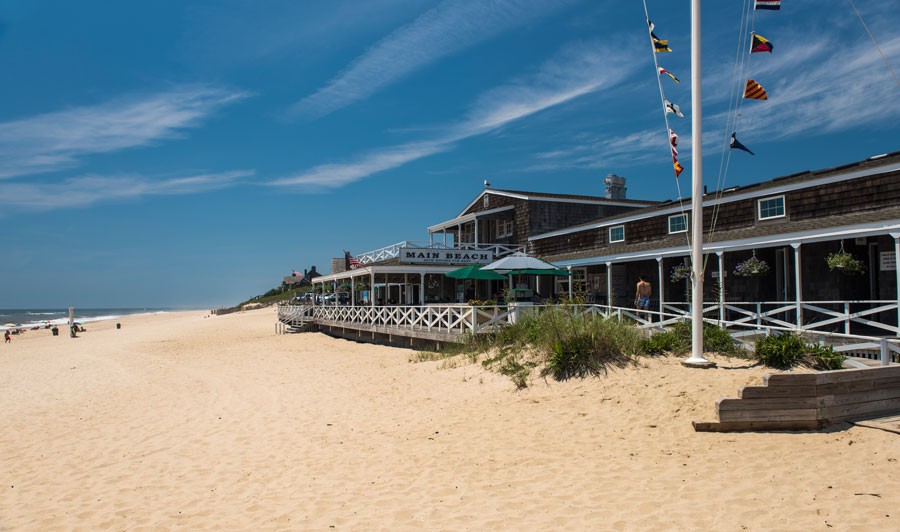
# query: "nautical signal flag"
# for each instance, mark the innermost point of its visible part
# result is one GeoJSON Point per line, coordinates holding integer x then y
{"type": "Point", "coordinates": [677, 166]}
{"type": "Point", "coordinates": [735, 145]}
{"type": "Point", "coordinates": [666, 72]}
{"type": "Point", "coordinates": [673, 142]}
{"type": "Point", "coordinates": [760, 44]}
{"type": "Point", "coordinates": [767, 4]}
{"type": "Point", "coordinates": [672, 108]}
{"type": "Point", "coordinates": [658, 44]}
{"type": "Point", "coordinates": [754, 91]}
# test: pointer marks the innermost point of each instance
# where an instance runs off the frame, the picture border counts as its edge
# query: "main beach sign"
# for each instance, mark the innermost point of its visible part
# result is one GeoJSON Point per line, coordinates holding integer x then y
{"type": "Point", "coordinates": [445, 256]}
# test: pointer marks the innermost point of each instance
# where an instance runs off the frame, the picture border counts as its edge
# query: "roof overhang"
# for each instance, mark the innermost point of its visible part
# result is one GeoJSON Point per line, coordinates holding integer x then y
{"type": "Point", "coordinates": [527, 197]}
{"type": "Point", "coordinates": [890, 227]}
{"type": "Point", "coordinates": [685, 206]}
{"type": "Point", "coordinates": [375, 269]}
{"type": "Point", "coordinates": [467, 218]}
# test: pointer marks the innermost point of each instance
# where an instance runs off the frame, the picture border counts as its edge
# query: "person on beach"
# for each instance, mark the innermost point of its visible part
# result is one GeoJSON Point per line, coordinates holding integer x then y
{"type": "Point", "coordinates": [6, 337]}
{"type": "Point", "coordinates": [642, 295]}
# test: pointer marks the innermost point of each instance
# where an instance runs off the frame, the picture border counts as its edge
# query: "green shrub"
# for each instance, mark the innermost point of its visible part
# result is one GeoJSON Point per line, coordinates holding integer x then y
{"type": "Point", "coordinates": [780, 350]}
{"type": "Point", "coordinates": [825, 357]}
{"type": "Point", "coordinates": [678, 340]}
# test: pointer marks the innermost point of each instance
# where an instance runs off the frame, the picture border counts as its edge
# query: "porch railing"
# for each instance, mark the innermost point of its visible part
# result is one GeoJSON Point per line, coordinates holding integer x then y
{"type": "Point", "coordinates": [393, 251]}
{"type": "Point", "coordinates": [750, 318]}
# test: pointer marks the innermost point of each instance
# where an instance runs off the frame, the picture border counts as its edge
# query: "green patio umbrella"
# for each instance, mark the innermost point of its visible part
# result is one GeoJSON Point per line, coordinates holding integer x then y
{"type": "Point", "coordinates": [474, 271]}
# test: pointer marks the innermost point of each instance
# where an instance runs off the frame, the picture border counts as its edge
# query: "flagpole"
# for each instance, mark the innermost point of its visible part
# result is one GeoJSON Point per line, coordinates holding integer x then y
{"type": "Point", "coordinates": [696, 359]}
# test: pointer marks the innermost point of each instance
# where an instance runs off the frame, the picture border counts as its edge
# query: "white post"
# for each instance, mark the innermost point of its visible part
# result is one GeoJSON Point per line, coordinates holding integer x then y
{"type": "Point", "coordinates": [476, 232]}
{"type": "Point", "coordinates": [696, 359]}
{"type": "Point", "coordinates": [798, 287]}
{"type": "Point", "coordinates": [372, 288]}
{"type": "Point", "coordinates": [569, 268]}
{"type": "Point", "coordinates": [431, 237]}
{"type": "Point", "coordinates": [71, 322]}
{"type": "Point", "coordinates": [458, 239]}
{"type": "Point", "coordinates": [609, 285]}
{"type": "Point", "coordinates": [422, 288]}
{"type": "Point", "coordinates": [659, 262]}
{"type": "Point", "coordinates": [897, 271]}
{"type": "Point", "coordinates": [721, 256]}
{"type": "Point", "coordinates": [352, 291]}
{"type": "Point", "coordinates": [445, 237]}
{"type": "Point", "coordinates": [406, 289]}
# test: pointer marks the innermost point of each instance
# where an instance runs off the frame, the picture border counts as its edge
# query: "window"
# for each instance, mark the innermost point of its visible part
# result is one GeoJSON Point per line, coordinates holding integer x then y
{"type": "Point", "coordinates": [504, 228]}
{"type": "Point", "coordinates": [617, 234]}
{"type": "Point", "coordinates": [485, 201]}
{"type": "Point", "coordinates": [771, 208]}
{"type": "Point", "coordinates": [678, 223]}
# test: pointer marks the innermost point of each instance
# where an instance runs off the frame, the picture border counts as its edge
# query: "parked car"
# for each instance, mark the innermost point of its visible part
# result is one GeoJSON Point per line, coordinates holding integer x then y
{"type": "Point", "coordinates": [343, 298]}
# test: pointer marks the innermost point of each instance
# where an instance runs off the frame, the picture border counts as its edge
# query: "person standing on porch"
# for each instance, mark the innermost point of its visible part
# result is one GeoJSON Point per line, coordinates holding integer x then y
{"type": "Point", "coordinates": [642, 295]}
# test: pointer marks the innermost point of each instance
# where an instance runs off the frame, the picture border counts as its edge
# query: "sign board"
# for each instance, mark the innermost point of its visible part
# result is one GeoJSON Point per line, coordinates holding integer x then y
{"type": "Point", "coordinates": [715, 274]}
{"type": "Point", "coordinates": [888, 261]}
{"type": "Point", "coordinates": [445, 256]}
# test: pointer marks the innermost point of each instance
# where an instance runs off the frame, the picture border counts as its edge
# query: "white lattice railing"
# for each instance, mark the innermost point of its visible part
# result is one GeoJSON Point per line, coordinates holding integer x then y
{"type": "Point", "coordinates": [393, 251]}
{"type": "Point", "coordinates": [749, 319]}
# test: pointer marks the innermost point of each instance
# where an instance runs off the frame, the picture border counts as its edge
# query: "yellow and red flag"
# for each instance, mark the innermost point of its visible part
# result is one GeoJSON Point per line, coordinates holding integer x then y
{"type": "Point", "coordinates": [754, 91]}
{"type": "Point", "coordinates": [677, 166]}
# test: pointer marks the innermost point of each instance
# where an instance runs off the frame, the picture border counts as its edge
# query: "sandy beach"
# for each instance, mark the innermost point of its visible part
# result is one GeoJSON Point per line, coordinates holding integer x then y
{"type": "Point", "coordinates": [186, 422]}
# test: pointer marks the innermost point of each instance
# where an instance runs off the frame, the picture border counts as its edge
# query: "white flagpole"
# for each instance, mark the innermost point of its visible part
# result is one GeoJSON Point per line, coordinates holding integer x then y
{"type": "Point", "coordinates": [696, 359]}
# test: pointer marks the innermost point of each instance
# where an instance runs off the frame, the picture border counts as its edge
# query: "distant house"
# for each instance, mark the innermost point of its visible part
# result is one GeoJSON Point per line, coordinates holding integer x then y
{"type": "Point", "coordinates": [295, 281]}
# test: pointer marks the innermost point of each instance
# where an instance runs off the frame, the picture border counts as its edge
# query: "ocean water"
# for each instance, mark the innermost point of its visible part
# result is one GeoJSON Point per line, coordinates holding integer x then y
{"type": "Point", "coordinates": [27, 318]}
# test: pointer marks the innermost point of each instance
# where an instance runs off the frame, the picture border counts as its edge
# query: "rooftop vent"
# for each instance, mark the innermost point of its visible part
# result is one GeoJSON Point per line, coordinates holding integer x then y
{"type": "Point", "coordinates": [615, 187]}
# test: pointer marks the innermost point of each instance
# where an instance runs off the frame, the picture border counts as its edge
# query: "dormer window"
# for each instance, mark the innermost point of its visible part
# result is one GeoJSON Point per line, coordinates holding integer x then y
{"type": "Point", "coordinates": [770, 208]}
{"type": "Point", "coordinates": [617, 234]}
{"type": "Point", "coordinates": [678, 224]}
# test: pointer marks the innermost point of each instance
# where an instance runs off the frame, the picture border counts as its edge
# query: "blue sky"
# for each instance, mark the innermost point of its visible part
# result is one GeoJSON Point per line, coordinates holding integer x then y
{"type": "Point", "coordinates": [179, 153]}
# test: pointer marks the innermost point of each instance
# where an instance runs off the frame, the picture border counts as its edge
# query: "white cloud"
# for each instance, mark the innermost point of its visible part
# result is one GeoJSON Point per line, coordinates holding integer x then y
{"type": "Point", "coordinates": [56, 140]}
{"type": "Point", "coordinates": [87, 190]}
{"type": "Point", "coordinates": [444, 30]}
{"type": "Point", "coordinates": [576, 70]}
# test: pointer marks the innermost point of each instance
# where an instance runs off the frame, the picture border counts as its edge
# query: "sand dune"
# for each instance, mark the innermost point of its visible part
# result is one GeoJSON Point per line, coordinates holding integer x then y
{"type": "Point", "coordinates": [185, 422]}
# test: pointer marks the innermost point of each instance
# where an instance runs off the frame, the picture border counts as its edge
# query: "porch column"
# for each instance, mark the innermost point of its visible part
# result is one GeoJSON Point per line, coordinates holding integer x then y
{"type": "Point", "coordinates": [609, 284]}
{"type": "Point", "coordinates": [445, 237]}
{"type": "Point", "coordinates": [372, 288]}
{"type": "Point", "coordinates": [896, 237]}
{"type": "Point", "coordinates": [662, 285]}
{"type": "Point", "coordinates": [721, 255]}
{"type": "Point", "coordinates": [422, 288]}
{"type": "Point", "coordinates": [431, 237]}
{"type": "Point", "coordinates": [476, 231]}
{"type": "Point", "coordinates": [334, 291]}
{"type": "Point", "coordinates": [352, 291]}
{"type": "Point", "coordinates": [798, 286]}
{"type": "Point", "coordinates": [406, 289]}
{"type": "Point", "coordinates": [458, 238]}
{"type": "Point", "coordinates": [570, 281]}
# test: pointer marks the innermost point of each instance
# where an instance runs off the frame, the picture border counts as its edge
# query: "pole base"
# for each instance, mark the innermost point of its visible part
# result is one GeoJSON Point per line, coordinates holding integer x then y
{"type": "Point", "coordinates": [701, 363]}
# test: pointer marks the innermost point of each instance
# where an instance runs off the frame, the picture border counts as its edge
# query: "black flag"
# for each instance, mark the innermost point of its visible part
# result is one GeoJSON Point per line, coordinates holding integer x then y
{"type": "Point", "coordinates": [735, 145]}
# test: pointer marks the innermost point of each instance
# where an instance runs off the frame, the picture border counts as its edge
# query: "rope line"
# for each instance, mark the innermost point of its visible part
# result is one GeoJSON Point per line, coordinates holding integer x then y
{"type": "Point", "coordinates": [875, 42]}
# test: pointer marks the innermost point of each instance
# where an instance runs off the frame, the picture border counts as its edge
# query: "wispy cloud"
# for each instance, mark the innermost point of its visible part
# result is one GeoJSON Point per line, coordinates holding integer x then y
{"type": "Point", "coordinates": [90, 189]}
{"type": "Point", "coordinates": [56, 140]}
{"type": "Point", "coordinates": [448, 28]}
{"type": "Point", "coordinates": [813, 89]}
{"type": "Point", "coordinates": [576, 70]}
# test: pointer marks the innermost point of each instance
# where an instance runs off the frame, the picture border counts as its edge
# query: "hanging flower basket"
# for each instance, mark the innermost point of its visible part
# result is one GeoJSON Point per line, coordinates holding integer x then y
{"type": "Point", "coordinates": [433, 283]}
{"type": "Point", "coordinates": [752, 267]}
{"type": "Point", "coordinates": [845, 263]}
{"type": "Point", "coordinates": [680, 272]}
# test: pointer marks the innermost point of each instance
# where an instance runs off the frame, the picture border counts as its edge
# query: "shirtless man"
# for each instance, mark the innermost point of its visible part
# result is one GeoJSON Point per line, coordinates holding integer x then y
{"type": "Point", "coordinates": [642, 295]}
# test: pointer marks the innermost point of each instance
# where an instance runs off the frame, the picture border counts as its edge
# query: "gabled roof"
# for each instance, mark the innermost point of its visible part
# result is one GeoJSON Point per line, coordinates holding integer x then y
{"type": "Point", "coordinates": [878, 164]}
{"type": "Point", "coordinates": [548, 196]}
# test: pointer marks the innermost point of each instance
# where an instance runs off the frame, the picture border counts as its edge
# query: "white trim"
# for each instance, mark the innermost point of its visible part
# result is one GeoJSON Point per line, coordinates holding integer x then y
{"type": "Point", "coordinates": [467, 218]}
{"type": "Point", "coordinates": [383, 269]}
{"type": "Point", "coordinates": [526, 197]}
{"type": "Point", "coordinates": [866, 172]}
{"type": "Point", "coordinates": [770, 198]}
{"type": "Point", "coordinates": [804, 237]}
{"type": "Point", "coordinates": [683, 217]}
{"type": "Point", "coordinates": [611, 241]}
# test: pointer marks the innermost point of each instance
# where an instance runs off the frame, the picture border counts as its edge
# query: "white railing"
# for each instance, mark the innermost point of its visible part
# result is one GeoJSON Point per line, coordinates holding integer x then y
{"type": "Point", "coordinates": [461, 319]}
{"type": "Point", "coordinates": [813, 316]}
{"type": "Point", "coordinates": [393, 251]}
